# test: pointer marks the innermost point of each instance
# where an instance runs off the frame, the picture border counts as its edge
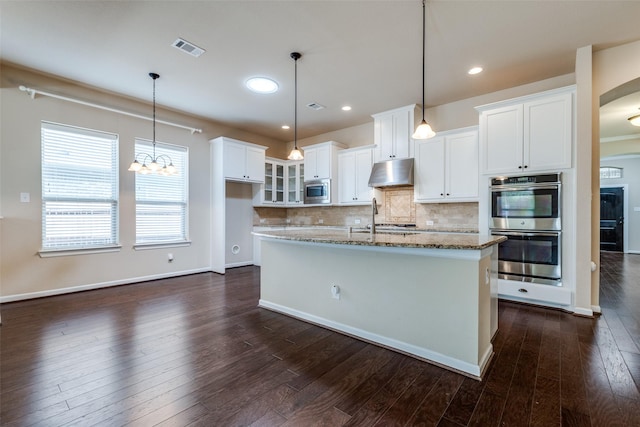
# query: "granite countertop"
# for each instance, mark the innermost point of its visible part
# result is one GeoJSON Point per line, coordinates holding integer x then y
{"type": "Point", "coordinates": [359, 237]}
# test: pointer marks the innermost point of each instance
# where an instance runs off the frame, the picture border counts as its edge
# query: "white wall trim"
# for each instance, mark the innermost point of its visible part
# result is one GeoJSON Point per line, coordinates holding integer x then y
{"type": "Point", "coordinates": [88, 287]}
{"type": "Point", "coordinates": [475, 371]}
{"type": "Point", "coordinates": [596, 309]}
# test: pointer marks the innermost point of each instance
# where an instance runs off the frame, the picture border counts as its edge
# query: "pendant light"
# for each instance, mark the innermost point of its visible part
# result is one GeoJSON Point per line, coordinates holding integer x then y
{"type": "Point", "coordinates": [423, 131]}
{"type": "Point", "coordinates": [154, 161]}
{"type": "Point", "coordinates": [295, 154]}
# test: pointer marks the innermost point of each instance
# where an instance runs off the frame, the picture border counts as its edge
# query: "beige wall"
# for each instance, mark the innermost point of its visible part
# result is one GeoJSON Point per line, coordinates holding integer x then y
{"type": "Point", "coordinates": [22, 271]}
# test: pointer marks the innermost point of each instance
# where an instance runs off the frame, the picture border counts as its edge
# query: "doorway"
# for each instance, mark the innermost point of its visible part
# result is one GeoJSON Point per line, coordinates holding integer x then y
{"type": "Point", "coordinates": [612, 219]}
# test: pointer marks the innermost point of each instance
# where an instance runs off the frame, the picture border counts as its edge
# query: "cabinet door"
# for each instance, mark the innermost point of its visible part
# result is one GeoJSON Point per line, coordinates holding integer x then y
{"type": "Point", "coordinates": [234, 161]}
{"type": "Point", "coordinates": [402, 131]}
{"type": "Point", "coordinates": [254, 169]}
{"type": "Point", "coordinates": [548, 132]}
{"type": "Point", "coordinates": [385, 136]}
{"type": "Point", "coordinates": [363, 162]}
{"type": "Point", "coordinates": [501, 140]}
{"type": "Point", "coordinates": [310, 163]}
{"type": "Point", "coordinates": [462, 166]}
{"type": "Point", "coordinates": [268, 183]}
{"type": "Point", "coordinates": [429, 172]}
{"type": "Point", "coordinates": [323, 162]}
{"type": "Point", "coordinates": [346, 178]}
{"type": "Point", "coordinates": [295, 180]}
{"type": "Point", "coordinates": [279, 183]}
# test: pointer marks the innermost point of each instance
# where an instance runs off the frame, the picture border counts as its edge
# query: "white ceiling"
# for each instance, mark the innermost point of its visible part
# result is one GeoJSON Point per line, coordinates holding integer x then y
{"type": "Point", "coordinates": [363, 53]}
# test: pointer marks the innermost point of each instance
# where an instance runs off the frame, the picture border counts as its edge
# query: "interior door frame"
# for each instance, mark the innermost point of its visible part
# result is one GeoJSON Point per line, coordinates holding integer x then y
{"type": "Point", "coordinates": [625, 212]}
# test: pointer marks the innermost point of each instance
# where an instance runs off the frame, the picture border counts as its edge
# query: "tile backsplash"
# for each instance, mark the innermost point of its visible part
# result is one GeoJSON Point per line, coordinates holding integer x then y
{"type": "Point", "coordinates": [394, 206]}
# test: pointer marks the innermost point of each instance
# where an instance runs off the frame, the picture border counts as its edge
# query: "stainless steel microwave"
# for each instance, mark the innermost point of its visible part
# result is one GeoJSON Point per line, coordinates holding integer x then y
{"type": "Point", "coordinates": [317, 192]}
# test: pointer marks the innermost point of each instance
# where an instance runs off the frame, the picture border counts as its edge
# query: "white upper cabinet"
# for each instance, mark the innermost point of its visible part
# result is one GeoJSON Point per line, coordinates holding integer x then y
{"type": "Point", "coordinates": [354, 168]}
{"type": "Point", "coordinates": [243, 161]}
{"type": "Point", "coordinates": [446, 167]}
{"type": "Point", "coordinates": [295, 183]}
{"type": "Point", "coordinates": [532, 133]}
{"type": "Point", "coordinates": [392, 132]}
{"type": "Point", "coordinates": [273, 190]}
{"type": "Point", "coordinates": [320, 160]}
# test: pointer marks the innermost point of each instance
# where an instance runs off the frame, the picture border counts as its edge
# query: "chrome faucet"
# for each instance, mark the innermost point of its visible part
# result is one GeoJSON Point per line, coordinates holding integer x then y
{"type": "Point", "coordinates": [374, 211]}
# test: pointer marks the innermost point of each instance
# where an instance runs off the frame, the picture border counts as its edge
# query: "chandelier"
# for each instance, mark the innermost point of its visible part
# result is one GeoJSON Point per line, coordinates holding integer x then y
{"type": "Point", "coordinates": [151, 163]}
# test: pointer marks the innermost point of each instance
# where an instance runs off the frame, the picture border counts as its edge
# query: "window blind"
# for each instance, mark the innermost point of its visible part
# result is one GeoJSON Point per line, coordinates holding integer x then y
{"type": "Point", "coordinates": [162, 201]}
{"type": "Point", "coordinates": [79, 187]}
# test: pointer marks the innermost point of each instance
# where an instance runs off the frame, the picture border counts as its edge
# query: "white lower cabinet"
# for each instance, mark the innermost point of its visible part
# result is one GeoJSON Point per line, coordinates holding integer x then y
{"type": "Point", "coordinates": [354, 168]}
{"type": "Point", "coordinates": [446, 167]}
{"type": "Point", "coordinates": [556, 296]}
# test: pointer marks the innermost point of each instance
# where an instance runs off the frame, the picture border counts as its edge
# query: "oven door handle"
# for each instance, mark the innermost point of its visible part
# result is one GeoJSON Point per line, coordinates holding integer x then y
{"type": "Point", "coordinates": [518, 234]}
{"type": "Point", "coordinates": [498, 188]}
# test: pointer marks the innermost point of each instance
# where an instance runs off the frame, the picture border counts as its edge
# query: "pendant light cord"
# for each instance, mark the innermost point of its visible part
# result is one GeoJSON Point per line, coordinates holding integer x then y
{"type": "Point", "coordinates": [295, 104]}
{"type": "Point", "coordinates": [154, 76]}
{"type": "Point", "coordinates": [424, 31]}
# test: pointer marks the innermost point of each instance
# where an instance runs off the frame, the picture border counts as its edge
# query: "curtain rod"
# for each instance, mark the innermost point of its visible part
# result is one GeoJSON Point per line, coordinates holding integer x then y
{"type": "Point", "coordinates": [32, 93]}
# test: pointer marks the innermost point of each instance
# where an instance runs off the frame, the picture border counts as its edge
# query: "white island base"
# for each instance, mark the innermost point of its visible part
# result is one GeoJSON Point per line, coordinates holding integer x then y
{"type": "Point", "coordinates": [434, 304]}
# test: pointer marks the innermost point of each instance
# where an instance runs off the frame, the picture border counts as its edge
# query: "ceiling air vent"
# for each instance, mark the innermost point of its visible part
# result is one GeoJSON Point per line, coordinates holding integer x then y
{"type": "Point", "coordinates": [187, 47]}
{"type": "Point", "coordinates": [315, 106]}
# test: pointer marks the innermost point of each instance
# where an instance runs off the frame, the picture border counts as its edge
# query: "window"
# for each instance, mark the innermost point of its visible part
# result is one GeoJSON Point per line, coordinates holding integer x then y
{"type": "Point", "coordinates": [610, 172]}
{"type": "Point", "coordinates": [161, 201]}
{"type": "Point", "coordinates": [79, 188]}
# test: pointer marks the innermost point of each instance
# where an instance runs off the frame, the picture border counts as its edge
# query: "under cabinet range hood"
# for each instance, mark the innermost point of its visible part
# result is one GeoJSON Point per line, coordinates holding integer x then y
{"type": "Point", "coordinates": [392, 173]}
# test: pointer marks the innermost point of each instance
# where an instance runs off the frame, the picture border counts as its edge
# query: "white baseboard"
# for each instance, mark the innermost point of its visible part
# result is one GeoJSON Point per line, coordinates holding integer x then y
{"type": "Point", "coordinates": [583, 311]}
{"type": "Point", "coordinates": [474, 371]}
{"type": "Point", "coordinates": [80, 288]}
{"type": "Point", "coordinates": [596, 309]}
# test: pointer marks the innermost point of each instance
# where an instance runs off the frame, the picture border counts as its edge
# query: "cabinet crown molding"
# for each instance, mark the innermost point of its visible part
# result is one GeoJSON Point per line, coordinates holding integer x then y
{"type": "Point", "coordinates": [526, 98]}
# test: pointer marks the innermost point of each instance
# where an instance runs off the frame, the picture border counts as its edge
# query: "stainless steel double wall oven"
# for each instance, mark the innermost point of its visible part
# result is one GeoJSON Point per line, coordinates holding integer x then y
{"type": "Point", "coordinates": [528, 210]}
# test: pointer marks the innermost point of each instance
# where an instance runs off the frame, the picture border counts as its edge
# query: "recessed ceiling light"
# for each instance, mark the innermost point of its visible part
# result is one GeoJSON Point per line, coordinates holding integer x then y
{"type": "Point", "coordinates": [286, 127]}
{"type": "Point", "coordinates": [475, 70]}
{"type": "Point", "coordinates": [346, 108]}
{"type": "Point", "coordinates": [262, 85]}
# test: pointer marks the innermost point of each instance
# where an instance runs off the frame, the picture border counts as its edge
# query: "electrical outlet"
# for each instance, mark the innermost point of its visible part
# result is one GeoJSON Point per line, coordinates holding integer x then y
{"type": "Point", "coordinates": [262, 220]}
{"type": "Point", "coordinates": [288, 221]}
{"type": "Point", "coordinates": [356, 221]}
{"type": "Point", "coordinates": [429, 222]}
{"type": "Point", "coordinates": [321, 221]}
{"type": "Point", "coordinates": [25, 197]}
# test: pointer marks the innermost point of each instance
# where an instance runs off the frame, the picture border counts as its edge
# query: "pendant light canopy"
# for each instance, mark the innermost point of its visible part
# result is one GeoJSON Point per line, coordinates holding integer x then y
{"type": "Point", "coordinates": [634, 120]}
{"type": "Point", "coordinates": [295, 154]}
{"type": "Point", "coordinates": [423, 131]}
{"type": "Point", "coordinates": [154, 166]}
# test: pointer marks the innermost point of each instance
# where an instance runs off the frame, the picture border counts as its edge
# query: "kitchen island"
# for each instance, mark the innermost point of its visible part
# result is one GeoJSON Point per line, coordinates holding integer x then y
{"type": "Point", "coordinates": [429, 295]}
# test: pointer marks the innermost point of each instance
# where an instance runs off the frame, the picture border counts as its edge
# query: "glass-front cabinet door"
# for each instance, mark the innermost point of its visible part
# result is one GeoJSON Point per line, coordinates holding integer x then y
{"type": "Point", "coordinates": [295, 181]}
{"type": "Point", "coordinates": [274, 184]}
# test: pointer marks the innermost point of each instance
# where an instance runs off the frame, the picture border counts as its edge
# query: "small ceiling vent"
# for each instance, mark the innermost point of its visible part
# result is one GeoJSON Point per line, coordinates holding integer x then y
{"type": "Point", "coordinates": [187, 47]}
{"type": "Point", "coordinates": [316, 106]}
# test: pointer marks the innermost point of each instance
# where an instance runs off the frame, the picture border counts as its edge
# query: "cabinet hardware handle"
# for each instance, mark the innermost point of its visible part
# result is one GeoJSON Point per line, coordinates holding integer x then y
{"type": "Point", "coordinates": [520, 167]}
{"type": "Point", "coordinates": [523, 290]}
{"type": "Point", "coordinates": [448, 194]}
{"type": "Point", "coordinates": [525, 166]}
{"type": "Point", "coordinates": [441, 194]}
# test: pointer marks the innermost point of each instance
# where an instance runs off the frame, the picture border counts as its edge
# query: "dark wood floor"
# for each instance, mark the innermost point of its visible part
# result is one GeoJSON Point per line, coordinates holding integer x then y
{"type": "Point", "coordinates": [196, 351]}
